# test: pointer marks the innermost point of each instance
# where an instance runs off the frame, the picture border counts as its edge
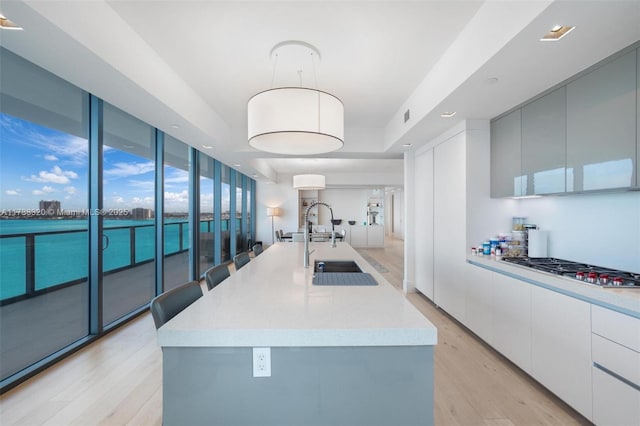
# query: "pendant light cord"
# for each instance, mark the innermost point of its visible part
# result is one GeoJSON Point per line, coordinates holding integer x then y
{"type": "Point", "coordinates": [275, 66]}
{"type": "Point", "coordinates": [315, 75]}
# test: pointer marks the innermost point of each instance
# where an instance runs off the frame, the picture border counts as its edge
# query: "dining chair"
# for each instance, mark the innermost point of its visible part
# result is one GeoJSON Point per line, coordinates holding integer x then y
{"type": "Point", "coordinates": [277, 235]}
{"type": "Point", "coordinates": [215, 275]}
{"type": "Point", "coordinates": [241, 259]}
{"type": "Point", "coordinates": [170, 303]}
{"type": "Point", "coordinates": [257, 249]}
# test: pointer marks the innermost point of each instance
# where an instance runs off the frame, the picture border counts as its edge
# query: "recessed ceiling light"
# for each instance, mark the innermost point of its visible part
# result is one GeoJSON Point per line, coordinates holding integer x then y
{"type": "Point", "coordinates": [175, 126]}
{"type": "Point", "coordinates": [254, 175]}
{"type": "Point", "coordinates": [492, 80]}
{"type": "Point", "coordinates": [448, 114]}
{"type": "Point", "coordinates": [406, 145]}
{"type": "Point", "coordinates": [6, 24]}
{"type": "Point", "coordinates": [556, 33]}
{"type": "Point", "coordinates": [236, 165]}
{"type": "Point", "coordinates": [128, 146]}
{"type": "Point", "coordinates": [207, 146]}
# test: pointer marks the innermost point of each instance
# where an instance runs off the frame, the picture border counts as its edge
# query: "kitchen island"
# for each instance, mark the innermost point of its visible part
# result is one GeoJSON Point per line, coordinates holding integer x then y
{"type": "Point", "coordinates": [340, 355]}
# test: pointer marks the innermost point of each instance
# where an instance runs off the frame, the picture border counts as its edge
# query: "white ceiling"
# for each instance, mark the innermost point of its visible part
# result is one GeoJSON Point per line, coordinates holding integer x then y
{"type": "Point", "coordinates": [195, 64]}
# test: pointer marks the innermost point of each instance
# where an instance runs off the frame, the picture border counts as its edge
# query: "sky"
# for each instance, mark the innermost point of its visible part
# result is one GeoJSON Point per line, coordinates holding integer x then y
{"type": "Point", "coordinates": [39, 163]}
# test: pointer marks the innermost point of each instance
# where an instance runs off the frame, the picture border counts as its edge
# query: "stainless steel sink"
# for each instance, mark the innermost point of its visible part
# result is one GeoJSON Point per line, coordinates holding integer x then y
{"type": "Point", "coordinates": [341, 273]}
{"type": "Point", "coordinates": [336, 266]}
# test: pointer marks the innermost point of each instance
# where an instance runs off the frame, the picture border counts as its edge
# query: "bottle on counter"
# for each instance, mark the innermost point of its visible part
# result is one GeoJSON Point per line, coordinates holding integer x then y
{"type": "Point", "coordinates": [486, 248]}
{"type": "Point", "coordinates": [498, 253]}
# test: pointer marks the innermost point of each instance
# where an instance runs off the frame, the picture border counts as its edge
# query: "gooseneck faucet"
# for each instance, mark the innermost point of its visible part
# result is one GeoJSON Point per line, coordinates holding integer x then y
{"type": "Point", "coordinates": [306, 231]}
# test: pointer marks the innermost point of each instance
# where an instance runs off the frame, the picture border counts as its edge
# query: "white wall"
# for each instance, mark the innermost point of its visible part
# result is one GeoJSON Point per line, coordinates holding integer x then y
{"type": "Point", "coordinates": [485, 216]}
{"type": "Point", "coordinates": [280, 195]}
{"type": "Point", "coordinates": [347, 204]}
{"type": "Point", "coordinates": [398, 214]}
{"type": "Point", "coordinates": [601, 229]}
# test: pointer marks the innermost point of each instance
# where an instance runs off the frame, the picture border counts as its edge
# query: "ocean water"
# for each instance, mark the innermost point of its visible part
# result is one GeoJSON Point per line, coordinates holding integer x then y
{"type": "Point", "coordinates": [63, 256]}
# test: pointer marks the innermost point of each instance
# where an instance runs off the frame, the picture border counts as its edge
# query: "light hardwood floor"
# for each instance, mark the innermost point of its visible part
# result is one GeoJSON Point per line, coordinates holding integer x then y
{"type": "Point", "coordinates": [117, 380]}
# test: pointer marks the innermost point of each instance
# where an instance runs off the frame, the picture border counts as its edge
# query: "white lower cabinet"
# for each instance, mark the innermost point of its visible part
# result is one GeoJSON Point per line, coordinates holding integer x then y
{"type": "Point", "coordinates": [375, 236]}
{"type": "Point", "coordinates": [358, 236]}
{"type": "Point", "coordinates": [512, 319]}
{"type": "Point", "coordinates": [587, 355]}
{"type": "Point", "coordinates": [615, 349]}
{"type": "Point", "coordinates": [479, 304]}
{"type": "Point", "coordinates": [615, 403]}
{"type": "Point", "coordinates": [561, 347]}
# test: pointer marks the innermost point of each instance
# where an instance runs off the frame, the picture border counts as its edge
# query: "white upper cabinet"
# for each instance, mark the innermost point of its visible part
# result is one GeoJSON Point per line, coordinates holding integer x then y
{"type": "Point", "coordinates": [506, 162]}
{"type": "Point", "coordinates": [583, 136]}
{"type": "Point", "coordinates": [601, 127]}
{"type": "Point", "coordinates": [543, 144]}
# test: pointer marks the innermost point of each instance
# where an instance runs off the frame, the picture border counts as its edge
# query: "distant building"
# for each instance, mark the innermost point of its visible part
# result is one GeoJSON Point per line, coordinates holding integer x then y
{"type": "Point", "coordinates": [139, 213]}
{"type": "Point", "coordinates": [51, 207]}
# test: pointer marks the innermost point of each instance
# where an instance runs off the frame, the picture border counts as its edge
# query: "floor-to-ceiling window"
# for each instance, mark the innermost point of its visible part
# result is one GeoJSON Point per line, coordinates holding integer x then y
{"type": "Point", "coordinates": [238, 213]}
{"type": "Point", "coordinates": [176, 212]}
{"type": "Point", "coordinates": [226, 212]}
{"type": "Point", "coordinates": [128, 222]}
{"type": "Point", "coordinates": [43, 223]}
{"type": "Point", "coordinates": [77, 222]}
{"type": "Point", "coordinates": [207, 240]}
{"type": "Point", "coordinates": [246, 204]}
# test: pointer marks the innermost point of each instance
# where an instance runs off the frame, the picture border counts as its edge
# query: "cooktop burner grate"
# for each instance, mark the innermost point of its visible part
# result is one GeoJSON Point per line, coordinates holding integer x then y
{"type": "Point", "coordinates": [591, 274]}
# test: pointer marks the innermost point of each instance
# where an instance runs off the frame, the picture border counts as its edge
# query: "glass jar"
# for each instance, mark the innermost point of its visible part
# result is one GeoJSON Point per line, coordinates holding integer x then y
{"type": "Point", "coordinates": [518, 223]}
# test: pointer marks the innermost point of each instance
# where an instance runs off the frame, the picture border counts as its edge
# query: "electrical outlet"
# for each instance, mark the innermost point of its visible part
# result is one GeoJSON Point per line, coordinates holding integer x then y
{"type": "Point", "coordinates": [261, 362]}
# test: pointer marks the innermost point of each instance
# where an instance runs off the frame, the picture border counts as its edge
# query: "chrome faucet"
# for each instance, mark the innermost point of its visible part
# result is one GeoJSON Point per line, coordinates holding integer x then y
{"type": "Point", "coordinates": [306, 231]}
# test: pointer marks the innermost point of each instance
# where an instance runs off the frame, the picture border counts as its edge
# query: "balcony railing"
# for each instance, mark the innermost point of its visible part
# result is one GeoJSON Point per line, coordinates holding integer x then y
{"type": "Point", "coordinates": [38, 262]}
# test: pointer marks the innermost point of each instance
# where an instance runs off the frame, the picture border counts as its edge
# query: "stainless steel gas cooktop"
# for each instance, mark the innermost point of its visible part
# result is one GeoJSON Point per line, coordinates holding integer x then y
{"type": "Point", "coordinates": [591, 274]}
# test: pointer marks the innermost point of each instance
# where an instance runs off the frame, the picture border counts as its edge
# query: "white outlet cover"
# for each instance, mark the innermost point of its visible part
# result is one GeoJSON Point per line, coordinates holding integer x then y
{"type": "Point", "coordinates": [261, 362]}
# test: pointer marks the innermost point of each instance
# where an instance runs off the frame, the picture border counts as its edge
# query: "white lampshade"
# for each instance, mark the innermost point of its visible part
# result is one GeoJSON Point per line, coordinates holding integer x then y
{"type": "Point", "coordinates": [273, 211]}
{"type": "Point", "coordinates": [309, 182]}
{"type": "Point", "coordinates": [296, 121]}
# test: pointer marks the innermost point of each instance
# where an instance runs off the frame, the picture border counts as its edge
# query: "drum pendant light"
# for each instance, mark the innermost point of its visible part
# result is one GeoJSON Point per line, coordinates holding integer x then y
{"type": "Point", "coordinates": [309, 182]}
{"type": "Point", "coordinates": [295, 120]}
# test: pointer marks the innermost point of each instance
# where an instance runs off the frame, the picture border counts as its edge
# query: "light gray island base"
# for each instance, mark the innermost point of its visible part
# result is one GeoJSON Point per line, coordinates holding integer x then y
{"type": "Point", "coordinates": [340, 355]}
{"type": "Point", "coordinates": [352, 386]}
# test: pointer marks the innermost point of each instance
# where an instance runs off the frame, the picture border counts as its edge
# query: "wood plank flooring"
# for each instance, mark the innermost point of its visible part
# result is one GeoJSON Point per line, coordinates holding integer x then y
{"type": "Point", "coordinates": [118, 379]}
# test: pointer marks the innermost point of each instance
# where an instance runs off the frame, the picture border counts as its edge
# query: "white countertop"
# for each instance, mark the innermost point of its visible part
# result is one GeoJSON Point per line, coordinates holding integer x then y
{"type": "Point", "coordinates": [626, 301]}
{"type": "Point", "coordinates": [271, 302]}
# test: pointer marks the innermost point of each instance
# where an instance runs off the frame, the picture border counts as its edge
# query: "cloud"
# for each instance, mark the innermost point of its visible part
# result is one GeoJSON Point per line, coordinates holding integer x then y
{"type": "Point", "coordinates": [51, 157]}
{"type": "Point", "coordinates": [45, 190]}
{"type": "Point", "coordinates": [130, 169]}
{"type": "Point", "coordinates": [117, 199]}
{"type": "Point", "coordinates": [148, 185]}
{"type": "Point", "coordinates": [144, 202]}
{"type": "Point", "coordinates": [57, 144]}
{"type": "Point", "coordinates": [177, 176]}
{"type": "Point", "coordinates": [71, 190]}
{"type": "Point", "coordinates": [177, 196]}
{"type": "Point", "coordinates": [56, 175]}
{"type": "Point", "coordinates": [176, 201]}
{"type": "Point", "coordinates": [12, 192]}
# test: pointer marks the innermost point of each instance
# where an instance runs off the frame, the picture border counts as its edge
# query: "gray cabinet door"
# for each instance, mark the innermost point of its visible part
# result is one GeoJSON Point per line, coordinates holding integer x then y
{"type": "Point", "coordinates": [544, 143]}
{"type": "Point", "coordinates": [506, 162]}
{"type": "Point", "coordinates": [601, 127]}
